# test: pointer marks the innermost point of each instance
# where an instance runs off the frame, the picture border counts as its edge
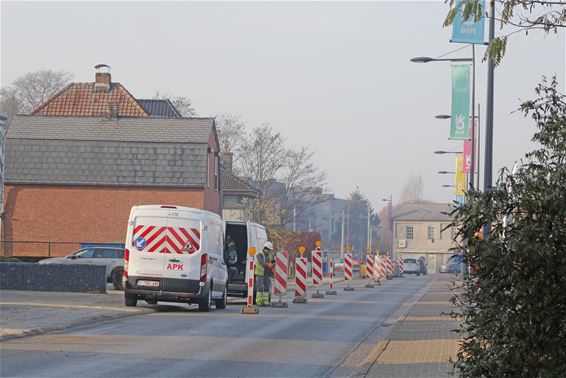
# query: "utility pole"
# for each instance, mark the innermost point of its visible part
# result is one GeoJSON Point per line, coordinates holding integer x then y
{"type": "Point", "coordinates": [294, 218]}
{"type": "Point", "coordinates": [488, 163]}
{"type": "Point", "coordinates": [368, 250]}
{"type": "Point", "coordinates": [342, 238]}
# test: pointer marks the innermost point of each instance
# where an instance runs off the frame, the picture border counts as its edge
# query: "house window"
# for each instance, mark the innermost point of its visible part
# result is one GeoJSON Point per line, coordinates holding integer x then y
{"type": "Point", "coordinates": [430, 232]}
{"type": "Point", "coordinates": [409, 232]}
{"type": "Point", "coordinates": [441, 231]}
{"type": "Point", "coordinates": [216, 178]}
{"type": "Point", "coordinates": [453, 232]}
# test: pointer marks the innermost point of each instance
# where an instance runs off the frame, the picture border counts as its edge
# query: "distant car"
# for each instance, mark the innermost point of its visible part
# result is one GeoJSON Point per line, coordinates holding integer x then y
{"type": "Point", "coordinates": [422, 266]}
{"type": "Point", "coordinates": [339, 265]}
{"type": "Point", "coordinates": [411, 266]}
{"type": "Point", "coordinates": [444, 268]}
{"type": "Point", "coordinates": [111, 257]}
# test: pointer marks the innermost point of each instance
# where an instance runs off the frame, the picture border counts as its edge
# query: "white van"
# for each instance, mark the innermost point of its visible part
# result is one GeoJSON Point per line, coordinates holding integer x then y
{"type": "Point", "coordinates": [244, 235]}
{"type": "Point", "coordinates": [175, 254]}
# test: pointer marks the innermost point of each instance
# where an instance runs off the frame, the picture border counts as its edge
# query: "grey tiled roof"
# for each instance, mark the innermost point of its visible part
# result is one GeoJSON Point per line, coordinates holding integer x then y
{"type": "Point", "coordinates": [96, 151]}
{"type": "Point", "coordinates": [422, 212]}
{"type": "Point", "coordinates": [234, 184]}
{"type": "Point", "coordinates": [159, 108]}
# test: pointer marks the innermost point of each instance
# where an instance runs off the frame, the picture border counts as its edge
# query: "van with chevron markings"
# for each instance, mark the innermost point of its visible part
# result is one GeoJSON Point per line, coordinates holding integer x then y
{"type": "Point", "coordinates": [175, 254]}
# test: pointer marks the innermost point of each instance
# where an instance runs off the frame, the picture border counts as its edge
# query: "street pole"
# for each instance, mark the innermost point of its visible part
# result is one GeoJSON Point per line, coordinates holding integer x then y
{"type": "Point", "coordinates": [473, 145]}
{"type": "Point", "coordinates": [342, 237]}
{"type": "Point", "coordinates": [488, 163]}
{"type": "Point", "coordinates": [368, 249]}
{"type": "Point", "coordinates": [294, 218]}
{"type": "Point", "coordinates": [479, 149]}
{"type": "Point", "coordinates": [391, 223]}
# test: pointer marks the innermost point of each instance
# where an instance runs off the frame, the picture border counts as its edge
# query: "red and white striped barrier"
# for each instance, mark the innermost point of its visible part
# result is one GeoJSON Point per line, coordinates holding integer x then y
{"type": "Point", "coordinates": [280, 288]}
{"type": "Point", "coordinates": [389, 265]}
{"type": "Point", "coordinates": [348, 270]}
{"type": "Point", "coordinates": [377, 269]}
{"type": "Point", "coordinates": [250, 308]}
{"type": "Point", "coordinates": [369, 270]}
{"type": "Point", "coordinates": [331, 290]}
{"type": "Point", "coordinates": [316, 257]}
{"type": "Point", "coordinates": [300, 280]}
{"type": "Point", "coordinates": [382, 267]}
{"type": "Point", "coordinates": [402, 265]}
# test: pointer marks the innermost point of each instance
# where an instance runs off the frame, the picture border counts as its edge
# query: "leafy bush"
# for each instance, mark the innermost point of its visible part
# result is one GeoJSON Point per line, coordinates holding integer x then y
{"type": "Point", "coordinates": [513, 304]}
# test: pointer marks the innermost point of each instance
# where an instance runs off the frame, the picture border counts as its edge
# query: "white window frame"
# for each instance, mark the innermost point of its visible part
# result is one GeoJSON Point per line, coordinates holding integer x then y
{"type": "Point", "coordinates": [411, 234]}
{"type": "Point", "coordinates": [430, 232]}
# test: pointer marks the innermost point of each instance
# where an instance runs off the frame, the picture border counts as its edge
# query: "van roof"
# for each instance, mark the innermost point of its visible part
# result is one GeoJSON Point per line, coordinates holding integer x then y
{"type": "Point", "coordinates": [169, 207]}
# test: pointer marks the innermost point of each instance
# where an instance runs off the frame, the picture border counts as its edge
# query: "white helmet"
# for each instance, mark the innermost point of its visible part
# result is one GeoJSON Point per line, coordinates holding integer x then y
{"type": "Point", "coordinates": [268, 245]}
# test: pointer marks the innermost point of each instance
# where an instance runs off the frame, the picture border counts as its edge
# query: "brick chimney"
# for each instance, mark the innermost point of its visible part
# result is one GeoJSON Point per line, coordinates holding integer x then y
{"type": "Point", "coordinates": [102, 78]}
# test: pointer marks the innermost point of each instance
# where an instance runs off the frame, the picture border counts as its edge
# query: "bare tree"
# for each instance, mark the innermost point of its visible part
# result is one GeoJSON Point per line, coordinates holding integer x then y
{"type": "Point", "coordinates": [262, 156]}
{"type": "Point", "coordinates": [303, 181]}
{"type": "Point", "coordinates": [413, 190]}
{"type": "Point", "coordinates": [31, 90]}
{"type": "Point", "coordinates": [183, 104]}
{"type": "Point", "coordinates": [231, 132]}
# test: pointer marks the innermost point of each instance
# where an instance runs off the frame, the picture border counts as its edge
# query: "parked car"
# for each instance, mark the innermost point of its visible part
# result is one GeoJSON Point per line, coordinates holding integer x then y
{"type": "Point", "coordinates": [111, 257]}
{"type": "Point", "coordinates": [444, 268]}
{"type": "Point", "coordinates": [453, 264]}
{"type": "Point", "coordinates": [411, 267]}
{"type": "Point", "coordinates": [422, 266]}
{"type": "Point", "coordinates": [339, 265]}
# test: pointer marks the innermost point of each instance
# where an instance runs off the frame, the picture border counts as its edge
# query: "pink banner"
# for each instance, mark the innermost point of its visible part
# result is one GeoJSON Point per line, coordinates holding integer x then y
{"type": "Point", "coordinates": [468, 153]}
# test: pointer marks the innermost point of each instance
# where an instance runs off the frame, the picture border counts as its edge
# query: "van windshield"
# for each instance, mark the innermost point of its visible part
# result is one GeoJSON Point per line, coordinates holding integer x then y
{"type": "Point", "coordinates": [410, 261]}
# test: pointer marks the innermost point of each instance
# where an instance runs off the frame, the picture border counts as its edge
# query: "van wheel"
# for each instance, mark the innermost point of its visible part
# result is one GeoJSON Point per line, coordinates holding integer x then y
{"type": "Point", "coordinates": [130, 301]}
{"type": "Point", "coordinates": [204, 303]}
{"type": "Point", "coordinates": [221, 303]}
{"type": "Point", "coordinates": [116, 276]}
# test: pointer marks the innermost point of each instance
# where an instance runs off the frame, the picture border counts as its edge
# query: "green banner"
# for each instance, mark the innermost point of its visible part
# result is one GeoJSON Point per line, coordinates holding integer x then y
{"type": "Point", "coordinates": [460, 122]}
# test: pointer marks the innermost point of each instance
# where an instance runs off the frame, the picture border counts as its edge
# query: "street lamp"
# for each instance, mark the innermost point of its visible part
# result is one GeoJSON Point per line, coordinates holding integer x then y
{"type": "Point", "coordinates": [424, 59]}
{"type": "Point", "coordinates": [390, 214]}
{"type": "Point", "coordinates": [447, 152]}
{"type": "Point", "coordinates": [475, 154]}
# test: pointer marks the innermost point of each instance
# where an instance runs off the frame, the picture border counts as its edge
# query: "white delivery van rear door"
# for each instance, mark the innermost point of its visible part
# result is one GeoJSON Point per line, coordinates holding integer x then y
{"type": "Point", "coordinates": [183, 249]}
{"type": "Point", "coordinates": [148, 239]}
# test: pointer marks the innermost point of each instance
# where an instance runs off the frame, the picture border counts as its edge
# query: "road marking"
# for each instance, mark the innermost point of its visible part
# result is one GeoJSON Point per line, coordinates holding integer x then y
{"type": "Point", "coordinates": [444, 318]}
{"type": "Point", "coordinates": [14, 331]}
{"type": "Point", "coordinates": [253, 350]}
{"type": "Point", "coordinates": [53, 305]}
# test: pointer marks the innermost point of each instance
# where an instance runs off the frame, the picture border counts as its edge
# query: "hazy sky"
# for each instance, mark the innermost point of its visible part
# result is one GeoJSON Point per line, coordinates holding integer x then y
{"type": "Point", "coordinates": [334, 76]}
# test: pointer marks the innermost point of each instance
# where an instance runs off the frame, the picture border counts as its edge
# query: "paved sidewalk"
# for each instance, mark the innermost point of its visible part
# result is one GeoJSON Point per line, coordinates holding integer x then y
{"type": "Point", "coordinates": [421, 343]}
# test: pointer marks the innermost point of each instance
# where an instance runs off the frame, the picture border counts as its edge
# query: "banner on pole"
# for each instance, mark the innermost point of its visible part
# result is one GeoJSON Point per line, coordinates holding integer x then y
{"type": "Point", "coordinates": [468, 31]}
{"type": "Point", "coordinates": [460, 176]}
{"type": "Point", "coordinates": [468, 152]}
{"type": "Point", "coordinates": [459, 123]}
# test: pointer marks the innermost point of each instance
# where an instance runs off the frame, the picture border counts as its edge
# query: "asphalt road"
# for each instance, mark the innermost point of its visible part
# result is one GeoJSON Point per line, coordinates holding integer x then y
{"type": "Point", "coordinates": [325, 337]}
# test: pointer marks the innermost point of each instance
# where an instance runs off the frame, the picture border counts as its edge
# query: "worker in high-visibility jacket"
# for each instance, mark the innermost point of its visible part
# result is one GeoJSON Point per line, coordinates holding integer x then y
{"type": "Point", "coordinates": [262, 276]}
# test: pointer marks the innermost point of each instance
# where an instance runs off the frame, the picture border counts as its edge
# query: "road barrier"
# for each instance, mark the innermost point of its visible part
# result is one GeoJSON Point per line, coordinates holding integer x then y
{"type": "Point", "coordinates": [250, 308]}
{"type": "Point", "coordinates": [369, 271]}
{"type": "Point", "coordinates": [348, 271]}
{"type": "Point", "coordinates": [317, 272]}
{"type": "Point", "coordinates": [382, 267]}
{"type": "Point", "coordinates": [331, 290]}
{"type": "Point", "coordinates": [280, 287]}
{"type": "Point", "coordinates": [401, 265]}
{"type": "Point", "coordinates": [389, 266]}
{"type": "Point", "coordinates": [377, 269]}
{"type": "Point", "coordinates": [300, 280]}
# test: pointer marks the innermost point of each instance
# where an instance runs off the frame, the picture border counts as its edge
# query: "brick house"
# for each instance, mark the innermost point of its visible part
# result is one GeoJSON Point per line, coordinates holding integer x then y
{"type": "Point", "coordinates": [76, 166]}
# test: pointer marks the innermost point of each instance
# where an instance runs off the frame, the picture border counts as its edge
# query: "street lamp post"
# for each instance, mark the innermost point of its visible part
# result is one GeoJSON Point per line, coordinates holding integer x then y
{"type": "Point", "coordinates": [390, 214]}
{"type": "Point", "coordinates": [473, 60]}
{"type": "Point", "coordinates": [476, 150]}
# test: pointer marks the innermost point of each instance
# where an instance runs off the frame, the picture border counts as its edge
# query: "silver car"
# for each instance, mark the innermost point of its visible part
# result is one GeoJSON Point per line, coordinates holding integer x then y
{"type": "Point", "coordinates": [111, 257]}
{"type": "Point", "coordinates": [411, 266]}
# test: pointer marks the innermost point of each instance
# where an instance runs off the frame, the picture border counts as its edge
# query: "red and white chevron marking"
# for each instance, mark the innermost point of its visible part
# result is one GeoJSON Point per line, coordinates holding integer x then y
{"type": "Point", "coordinates": [389, 265]}
{"type": "Point", "coordinates": [401, 265]}
{"type": "Point", "coordinates": [166, 239]}
{"type": "Point", "coordinates": [348, 266]}
{"type": "Point", "coordinates": [369, 265]}
{"type": "Point", "coordinates": [281, 263]}
{"type": "Point", "coordinates": [250, 275]}
{"type": "Point", "coordinates": [316, 267]}
{"type": "Point", "coordinates": [331, 273]}
{"type": "Point", "coordinates": [376, 268]}
{"type": "Point", "coordinates": [300, 277]}
{"type": "Point", "coordinates": [383, 267]}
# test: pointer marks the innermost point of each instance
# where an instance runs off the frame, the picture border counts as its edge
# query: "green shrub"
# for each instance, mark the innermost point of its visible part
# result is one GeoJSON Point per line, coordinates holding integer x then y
{"type": "Point", "coordinates": [513, 307]}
